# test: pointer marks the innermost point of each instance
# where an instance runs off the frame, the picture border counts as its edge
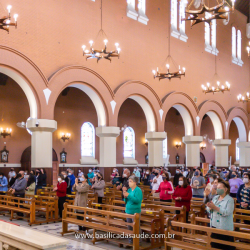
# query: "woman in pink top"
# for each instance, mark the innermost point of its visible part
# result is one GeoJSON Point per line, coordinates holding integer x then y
{"type": "Point", "coordinates": [165, 189]}
{"type": "Point", "coordinates": [234, 183]}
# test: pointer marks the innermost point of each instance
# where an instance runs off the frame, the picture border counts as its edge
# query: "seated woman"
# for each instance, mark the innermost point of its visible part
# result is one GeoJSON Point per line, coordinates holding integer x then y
{"type": "Point", "coordinates": [243, 194]}
{"type": "Point", "coordinates": [183, 195]}
{"type": "Point", "coordinates": [221, 209]}
{"type": "Point", "coordinates": [211, 188]}
{"type": "Point", "coordinates": [81, 187]}
{"type": "Point", "coordinates": [165, 189]}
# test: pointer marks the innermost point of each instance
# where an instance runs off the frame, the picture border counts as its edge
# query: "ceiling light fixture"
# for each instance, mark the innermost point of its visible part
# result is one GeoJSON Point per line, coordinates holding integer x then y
{"type": "Point", "coordinates": [5, 22]}
{"type": "Point", "coordinates": [101, 53]}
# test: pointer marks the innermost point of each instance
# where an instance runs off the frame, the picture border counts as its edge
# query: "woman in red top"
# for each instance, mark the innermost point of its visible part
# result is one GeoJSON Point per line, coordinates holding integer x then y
{"type": "Point", "coordinates": [183, 195]}
{"type": "Point", "coordinates": [166, 189]}
{"type": "Point", "coordinates": [61, 191]}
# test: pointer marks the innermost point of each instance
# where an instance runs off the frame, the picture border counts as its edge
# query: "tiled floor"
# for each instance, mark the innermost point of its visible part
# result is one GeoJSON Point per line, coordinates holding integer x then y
{"type": "Point", "coordinates": [74, 244]}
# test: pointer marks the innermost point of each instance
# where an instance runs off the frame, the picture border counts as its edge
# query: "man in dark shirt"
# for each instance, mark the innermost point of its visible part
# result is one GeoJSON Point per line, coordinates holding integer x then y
{"type": "Point", "coordinates": [18, 188]}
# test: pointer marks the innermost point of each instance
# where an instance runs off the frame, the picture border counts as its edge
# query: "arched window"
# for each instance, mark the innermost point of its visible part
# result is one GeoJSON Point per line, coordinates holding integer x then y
{"type": "Point", "coordinates": [129, 143]}
{"type": "Point", "coordinates": [236, 47]}
{"type": "Point", "coordinates": [88, 139]}
{"type": "Point", "coordinates": [237, 150]}
{"type": "Point", "coordinates": [210, 36]}
{"type": "Point", "coordinates": [165, 148]}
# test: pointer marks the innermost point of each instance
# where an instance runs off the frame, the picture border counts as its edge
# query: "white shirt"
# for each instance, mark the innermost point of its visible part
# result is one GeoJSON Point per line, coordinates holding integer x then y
{"type": "Point", "coordinates": [185, 173]}
{"type": "Point", "coordinates": [12, 174]}
{"type": "Point", "coordinates": [155, 186]}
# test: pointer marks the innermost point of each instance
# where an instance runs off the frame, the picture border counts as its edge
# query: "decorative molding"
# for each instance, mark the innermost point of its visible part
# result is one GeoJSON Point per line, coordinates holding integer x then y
{"type": "Point", "coordinates": [47, 93]}
{"type": "Point", "coordinates": [161, 113]}
{"type": "Point", "coordinates": [197, 120]}
{"type": "Point", "coordinates": [226, 123]}
{"type": "Point", "coordinates": [113, 104]}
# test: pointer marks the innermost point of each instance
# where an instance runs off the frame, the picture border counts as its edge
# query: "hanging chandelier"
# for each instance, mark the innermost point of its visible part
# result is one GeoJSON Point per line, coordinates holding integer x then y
{"type": "Point", "coordinates": [207, 14]}
{"type": "Point", "coordinates": [218, 87]}
{"type": "Point", "coordinates": [5, 22]}
{"type": "Point", "coordinates": [173, 73]}
{"type": "Point", "coordinates": [99, 54]}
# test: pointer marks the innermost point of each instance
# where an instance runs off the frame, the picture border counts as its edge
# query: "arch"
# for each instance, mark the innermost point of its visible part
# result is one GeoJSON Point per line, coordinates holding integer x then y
{"type": "Point", "coordinates": [240, 117]}
{"type": "Point", "coordinates": [129, 143]}
{"type": "Point", "coordinates": [141, 93]}
{"type": "Point", "coordinates": [89, 82]}
{"type": "Point", "coordinates": [87, 139]}
{"type": "Point", "coordinates": [185, 106]}
{"type": "Point", "coordinates": [25, 73]}
{"type": "Point", "coordinates": [217, 115]}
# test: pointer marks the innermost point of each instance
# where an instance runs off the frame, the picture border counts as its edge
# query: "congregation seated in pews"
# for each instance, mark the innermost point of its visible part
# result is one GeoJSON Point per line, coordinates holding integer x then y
{"type": "Point", "coordinates": [213, 220]}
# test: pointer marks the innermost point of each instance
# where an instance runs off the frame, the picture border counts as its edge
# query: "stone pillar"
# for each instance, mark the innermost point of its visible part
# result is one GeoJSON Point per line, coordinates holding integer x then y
{"type": "Point", "coordinates": [155, 148]}
{"type": "Point", "coordinates": [107, 145]}
{"type": "Point", "coordinates": [41, 142]}
{"type": "Point", "coordinates": [221, 152]}
{"type": "Point", "coordinates": [192, 150]}
{"type": "Point", "coordinates": [244, 153]}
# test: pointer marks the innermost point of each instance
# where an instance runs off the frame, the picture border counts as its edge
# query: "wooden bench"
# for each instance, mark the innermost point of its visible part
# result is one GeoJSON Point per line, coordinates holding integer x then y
{"type": "Point", "coordinates": [47, 205]}
{"type": "Point", "coordinates": [177, 234]}
{"type": "Point", "coordinates": [102, 220]}
{"type": "Point", "coordinates": [21, 205]}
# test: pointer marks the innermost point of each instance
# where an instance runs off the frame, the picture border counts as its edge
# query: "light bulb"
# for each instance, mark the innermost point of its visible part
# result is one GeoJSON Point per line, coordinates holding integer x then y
{"type": "Point", "coordinates": [167, 66]}
{"type": "Point", "coordinates": [226, 8]}
{"type": "Point", "coordinates": [15, 17]}
{"type": "Point", "coordinates": [118, 50]}
{"type": "Point", "coordinates": [116, 44]}
{"type": "Point", "coordinates": [243, 98]}
{"type": "Point", "coordinates": [97, 54]}
{"type": "Point", "coordinates": [7, 129]}
{"type": "Point", "coordinates": [248, 94]}
{"type": "Point", "coordinates": [9, 8]}
{"type": "Point", "coordinates": [157, 69]}
{"type": "Point", "coordinates": [184, 70]}
{"type": "Point", "coordinates": [213, 88]}
{"type": "Point", "coordinates": [202, 86]}
{"type": "Point", "coordinates": [84, 47]}
{"type": "Point", "coordinates": [10, 130]}
{"type": "Point", "coordinates": [218, 83]}
{"type": "Point", "coordinates": [8, 21]}
{"type": "Point", "coordinates": [153, 72]}
{"type": "Point", "coordinates": [91, 43]}
{"type": "Point", "coordinates": [222, 87]}
{"type": "Point", "coordinates": [179, 143]}
{"type": "Point", "coordinates": [179, 67]}
{"type": "Point", "coordinates": [86, 51]}
{"type": "Point", "coordinates": [105, 41]}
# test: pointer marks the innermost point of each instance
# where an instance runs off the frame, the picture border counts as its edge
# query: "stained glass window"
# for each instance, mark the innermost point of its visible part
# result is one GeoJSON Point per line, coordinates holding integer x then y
{"type": "Point", "coordinates": [237, 150]}
{"type": "Point", "coordinates": [129, 142]}
{"type": "Point", "coordinates": [165, 148]}
{"type": "Point", "coordinates": [88, 139]}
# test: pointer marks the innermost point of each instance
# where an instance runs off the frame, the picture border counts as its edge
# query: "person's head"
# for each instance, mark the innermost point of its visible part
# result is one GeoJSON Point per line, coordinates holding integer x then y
{"type": "Point", "coordinates": [165, 176]}
{"type": "Point", "coordinates": [223, 188]}
{"type": "Point", "coordinates": [31, 172]}
{"type": "Point", "coordinates": [233, 168]}
{"type": "Point", "coordinates": [12, 169]}
{"type": "Point", "coordinates": [60, 178]}
{"type": "Point", "coordinates": [246, 178]}
{"type": "Point", "coordinates": [64, 173]}
{"type": "Point", "coordinates": [234, 175]}
{"type": "Point", "coordinates": [42, 170]}
{"type": "Point", "coordinates": [126, 173]}
{"type": "Point", "coordinates": [38, 171]}
{"type": "Point", "coordinates": [183, 181]}
{"type": "Point", "coordinates": [156, 172]}
{"type": "Point", "coordinates": [21, 174]}
{"type": "Point", "coordinates": [83, 178]}
{"type": "Point", "coordinates": [132, 181]}
{"type": "Point", "coordinates": [114, 170]}
{"type": "Point", "coordinates": [147, 171]}
{"type": "Point", "coordinates": [178, 170]}
{"type": "Point", "coordinates": [70, 172]}
{"type": "Point", "coordinates": [1, 175]}
{"type": "Point", "coordinates": [79, 170]}
{"type": "Point", "coordinates": [197, 172]}
{"type": "Point", "coordinates": [212, 178]}
{"type": "Point", "coordinates": [90, 170]}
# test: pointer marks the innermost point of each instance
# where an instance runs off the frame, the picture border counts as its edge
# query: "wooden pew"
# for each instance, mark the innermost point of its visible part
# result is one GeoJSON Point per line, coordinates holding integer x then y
{"type": "Point", "coordinates": [102, 220]}
{"type": "Point", "coordinates": [181, 237]}
{"type": "Point", "coordinates": [47, 205]}
{"type": "Point", "coordinates": [16, 204]}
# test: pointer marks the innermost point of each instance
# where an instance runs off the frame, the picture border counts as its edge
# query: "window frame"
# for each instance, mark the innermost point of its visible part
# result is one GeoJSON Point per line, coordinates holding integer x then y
{"type": "Point", "coordinates": [93, 139]}
{"type": "Point", "coordinates": [133, 143]}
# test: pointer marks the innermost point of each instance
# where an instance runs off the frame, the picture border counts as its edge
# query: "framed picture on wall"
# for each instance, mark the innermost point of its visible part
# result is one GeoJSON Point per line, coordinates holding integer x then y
{"type": "Point", "coordinates": [4, 155]}
{"type": "Point", "coordinates": [63, 156]}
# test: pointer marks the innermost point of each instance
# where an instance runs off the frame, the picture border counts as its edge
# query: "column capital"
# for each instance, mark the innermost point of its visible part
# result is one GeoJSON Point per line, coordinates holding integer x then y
{"type": "Point", "coordinates": [107, 131]}
{"type": "Point", "coordinates": [156, 136]}
{"type": "Point", "coordinates": [221, 142]}
{"type": "Point", "coordinates": [41, 125]}
{"type": "Point", "coordinates": [190, 139]}
{"type": "Point", "coordinates": [243, 144]}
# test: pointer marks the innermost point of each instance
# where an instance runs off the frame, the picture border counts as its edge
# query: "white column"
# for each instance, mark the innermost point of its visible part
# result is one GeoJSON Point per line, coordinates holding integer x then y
{"type": "Point", "coordinates": [155, 148]}
{"type": "Point", "coordinates": [107, 145]}
{"type": "Point", "coordinates": [192, 150]}
{"type": "Point", "coordinates": [41, 142]}
{"type": "Point", "coordinates": [221, 152]}
{"type": "Point", "coordinates": [244, 153]}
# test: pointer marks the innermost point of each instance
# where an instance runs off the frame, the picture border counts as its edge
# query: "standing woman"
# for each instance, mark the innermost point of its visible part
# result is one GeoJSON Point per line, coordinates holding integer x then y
{"type": "Point", "coordinates": [3, 183]}
{"type": "Point", "coordinates": [44, 177]}
{"type": "Point", "coordinates": [183, 195]}
{"type": "Point", "coordinates": [81, 187]}
{"type": "Point", "coordinates": [221, 209]}
{"type": "Point", "coordinates": [99, 186]}
{"type": "Point", "coordinates": [39, 183]}
{"type": "Point", "coordinates": [234, 183]}
{"type": "Point", "coordinates": [165, 189]}
{"type": "Point", "coordinates": [31, 185]}
{"type": "Point", "coordinates": [133, 200]}
{"type": "Point", "coordinates": [61, 191]}
{"type": "Point", "coordinates": [243, 194]}
{"type": "Point", "coordinates": [91, 175]}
